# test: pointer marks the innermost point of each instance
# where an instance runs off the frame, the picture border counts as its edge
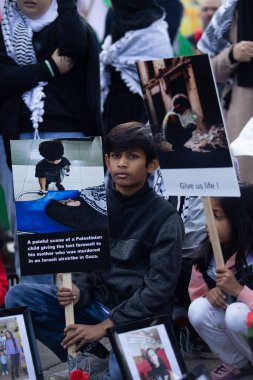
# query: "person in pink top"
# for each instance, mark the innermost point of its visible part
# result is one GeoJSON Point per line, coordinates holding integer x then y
{"type": "Point", "coordinates": [223, 296]}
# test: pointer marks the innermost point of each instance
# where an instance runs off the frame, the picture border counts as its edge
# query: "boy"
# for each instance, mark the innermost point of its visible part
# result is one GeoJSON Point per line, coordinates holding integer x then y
{"type": "Point", "coordinates": [53, 167]}
{"type": "Point", "coordinates": [145, 241]}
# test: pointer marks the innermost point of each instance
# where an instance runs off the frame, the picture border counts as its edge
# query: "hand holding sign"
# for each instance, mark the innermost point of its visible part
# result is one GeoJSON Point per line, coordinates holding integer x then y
{"type": "Point", "coordinates": [68, 295]}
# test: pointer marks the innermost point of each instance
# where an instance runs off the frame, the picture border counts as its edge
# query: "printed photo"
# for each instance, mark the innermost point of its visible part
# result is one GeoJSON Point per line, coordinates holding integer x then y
{"type": "Point", "coordinates": [60, 198]}
{"type": "Point", "coordinates": [184, 112]}
{"type": "Point", "coordinates": [149, 352]}
{"type": "Point", "coordinates": [185, 117]}
{"type": "Point", "coordinates": [16, 361]}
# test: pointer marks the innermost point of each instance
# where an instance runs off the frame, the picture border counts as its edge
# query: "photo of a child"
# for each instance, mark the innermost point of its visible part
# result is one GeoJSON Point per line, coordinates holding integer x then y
{"type": "Point", "coordinates": [53, 167]}
{"type": "Point", "coordinates": [12, 351]}
{"type": "Point", "coordinates": [4, 363]}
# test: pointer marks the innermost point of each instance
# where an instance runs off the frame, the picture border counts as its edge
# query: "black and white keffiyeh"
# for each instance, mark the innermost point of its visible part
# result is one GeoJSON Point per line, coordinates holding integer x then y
{"type": "Point", "coordinates": [135, 45]}
{"type": "Point", "coordinates": [95, 196]}
{"type": "Point", "coordinates": [215, 37]}
{"type": "Point", "coordinates": [17, 32]}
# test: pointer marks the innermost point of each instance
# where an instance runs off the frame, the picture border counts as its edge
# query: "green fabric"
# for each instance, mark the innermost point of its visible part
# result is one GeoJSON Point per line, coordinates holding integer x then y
{"type": "Point", "coordinates": [107, 3]}
{"type": "Point", "coordinates": [182, 47]}
{"type": "Point", "coordinates": [4, 223]}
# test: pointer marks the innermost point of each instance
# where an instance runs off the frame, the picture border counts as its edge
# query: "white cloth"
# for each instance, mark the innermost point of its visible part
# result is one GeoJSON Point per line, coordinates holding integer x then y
{"type": "Point", "coordinates": [143, 44]}
{"type": "Point", "coordinates": [47, 18]}
{"type": "Point", "coordinates": [223, 330]}
{"type": "Point", "coordinates": [216, 36]}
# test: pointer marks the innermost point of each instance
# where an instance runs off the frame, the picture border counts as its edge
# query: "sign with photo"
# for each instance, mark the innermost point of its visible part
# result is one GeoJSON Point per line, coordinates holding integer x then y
{"type": "Point", "coordinates": [186, 121]}
{"type": "Point", "coordinates": [60, 205]}
{"type": "Point", "coordinates": [147, 349]}
{"type": "Point", "coordinates": [19, 354]}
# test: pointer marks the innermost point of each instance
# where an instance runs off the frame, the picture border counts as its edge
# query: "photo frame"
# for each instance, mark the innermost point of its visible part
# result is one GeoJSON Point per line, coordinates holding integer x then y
{"type": "Point", "coordinates": [146, 349]}
{"type": "Point", "coordinates": [16, 329]}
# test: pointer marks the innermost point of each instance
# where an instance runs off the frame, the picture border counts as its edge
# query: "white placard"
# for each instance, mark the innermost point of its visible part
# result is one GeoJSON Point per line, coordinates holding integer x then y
{"type": "Point", "coordinates": [243, 145]}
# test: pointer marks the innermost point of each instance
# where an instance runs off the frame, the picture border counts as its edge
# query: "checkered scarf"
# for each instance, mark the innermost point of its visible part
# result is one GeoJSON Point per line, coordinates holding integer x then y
{"type": "Point", "coordinates": [17, 30]}
{"type": "Point", "coordinates": [215, 37]}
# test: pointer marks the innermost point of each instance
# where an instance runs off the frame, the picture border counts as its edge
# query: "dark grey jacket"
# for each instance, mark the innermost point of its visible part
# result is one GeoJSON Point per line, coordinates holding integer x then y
{"type": "Point", "coordinates": [146, 243]}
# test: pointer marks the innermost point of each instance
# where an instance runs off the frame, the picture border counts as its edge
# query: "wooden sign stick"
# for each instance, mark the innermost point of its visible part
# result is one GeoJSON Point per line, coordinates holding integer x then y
{"type": "Point", "coordinates": [213, 232]}
{"type": "Point", "coordinates": [69, 318]}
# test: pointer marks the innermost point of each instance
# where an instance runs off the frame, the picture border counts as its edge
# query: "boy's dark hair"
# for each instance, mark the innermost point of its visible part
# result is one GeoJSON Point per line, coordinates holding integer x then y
{"type": "Point", "coordinates": [132, 135]}
{"type": "Point", "coordinates": [239, 212]}
{"type": "Point", "coordinates": [181, 99]}
{"type": "Point", "coordinates": [51, 150]}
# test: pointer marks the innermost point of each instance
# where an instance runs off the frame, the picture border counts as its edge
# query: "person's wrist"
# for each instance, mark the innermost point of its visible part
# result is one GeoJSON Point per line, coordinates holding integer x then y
{"type": "Point", "coordinates": [54, 67]}
{"type": "Point", "coordinates": [106, 325]}
{"type": "Point", "coordinates": [231, 56]}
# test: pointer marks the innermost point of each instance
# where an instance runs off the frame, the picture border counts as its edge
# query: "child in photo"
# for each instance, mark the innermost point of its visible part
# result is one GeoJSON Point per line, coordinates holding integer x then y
{"type": "Point", "coordinates": [223, 296]}
{"type": "Point", "coordinates": [13, 351]}
{"type": "Point", "coordinates": [4, 362]}
{"type": "Point", "coordinates": [53, 167]}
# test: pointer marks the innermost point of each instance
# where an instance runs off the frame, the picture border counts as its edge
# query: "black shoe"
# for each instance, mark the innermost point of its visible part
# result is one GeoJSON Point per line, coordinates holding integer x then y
{"type": "Point", "coordinates": [59, 186]}
{"type": "Point", "coordinates": [42, 192]}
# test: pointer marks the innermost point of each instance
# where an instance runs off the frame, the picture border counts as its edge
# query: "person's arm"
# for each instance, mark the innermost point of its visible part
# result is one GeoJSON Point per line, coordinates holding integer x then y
{"type": "Point", "coordinates": [222, 66]}
{"type": "Point", "coordinates": [67, 164]}
{"type": "Point", "coordinates": [246, 296]}
{"type": "Point", "coordinates": [43, 182]}
{"type": "Point", "coordinates": [15, 79]}
{"type": "Point", "coordinates": [195, 230]}
{"type": "Point", "coordinates": [160, 278]}
{"type": "Point", "coordinates": [227, 281]}
{"type": "Point", "coordinates": [197, 287]}
{"type": "Point", "coordinates": [80, 334]}
{"type": "Point", "coordinates": [73, 31]}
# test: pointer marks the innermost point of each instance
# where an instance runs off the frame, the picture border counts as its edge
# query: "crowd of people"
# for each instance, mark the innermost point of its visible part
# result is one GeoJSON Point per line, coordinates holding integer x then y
{"type": "Point", "coordinates": [56, 81]}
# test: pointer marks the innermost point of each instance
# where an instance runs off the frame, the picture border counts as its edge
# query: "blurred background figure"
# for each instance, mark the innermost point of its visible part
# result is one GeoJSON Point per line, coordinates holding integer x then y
{"type": "Point", "coordinates": [206, 12]}
{"type": "Point", "coordinates": [229, 41]}
{"type": "Point", "coordinates": [138, 32]}
{"type": "Point", "coordinates": [173, 14]}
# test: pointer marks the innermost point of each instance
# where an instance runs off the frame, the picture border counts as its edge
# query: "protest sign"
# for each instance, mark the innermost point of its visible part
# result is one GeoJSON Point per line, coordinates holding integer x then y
{"type": "Point", "coordinates": [62, 220]}
{"type": "Point", "coordinates": [186, 121]}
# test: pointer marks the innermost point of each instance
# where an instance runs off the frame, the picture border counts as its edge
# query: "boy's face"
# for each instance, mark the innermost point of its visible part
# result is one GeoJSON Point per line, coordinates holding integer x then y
{"type": "Point", "coordinates": [129, 170]}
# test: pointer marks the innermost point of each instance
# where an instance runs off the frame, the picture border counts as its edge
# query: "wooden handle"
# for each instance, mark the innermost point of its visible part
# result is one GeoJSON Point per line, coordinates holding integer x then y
{"type": "Point", "coordinates": [213, 232]}
{"type": "Point", "coordinates": [69, 310]}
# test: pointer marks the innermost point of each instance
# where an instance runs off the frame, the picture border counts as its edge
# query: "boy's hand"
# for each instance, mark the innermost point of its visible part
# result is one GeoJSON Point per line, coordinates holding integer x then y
{"type": "Point", "coordinates": [66, 296]}
{"type": "Point", "coordinates": [227, 282]}
{"type": "Point", "coordinates": [216, 297]}
{"type": "Point", "coordinates": [82, 334]}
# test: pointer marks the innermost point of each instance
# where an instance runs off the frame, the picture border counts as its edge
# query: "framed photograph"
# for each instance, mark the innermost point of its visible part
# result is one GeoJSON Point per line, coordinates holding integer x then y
{"type": "Point", "coordinates": [147, 350]}
{"type": "Point", "coordinates": [19, 356]}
